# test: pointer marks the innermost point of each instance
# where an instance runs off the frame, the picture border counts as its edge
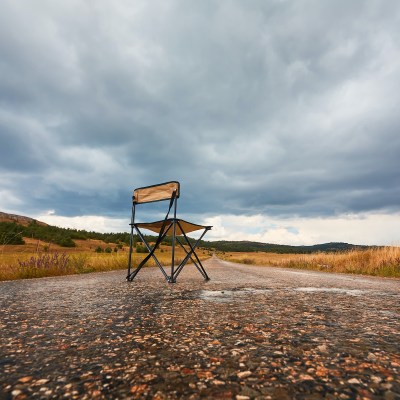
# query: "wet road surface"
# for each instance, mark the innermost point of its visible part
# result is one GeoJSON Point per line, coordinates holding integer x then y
{"type": "Point", "coordinates": [250, 332]}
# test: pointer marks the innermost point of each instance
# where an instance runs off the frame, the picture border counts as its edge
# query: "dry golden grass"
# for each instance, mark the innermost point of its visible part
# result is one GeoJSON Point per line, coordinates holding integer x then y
{"type": "Point", "coordinates": [384, 261]}
{"type": "Point", "coordinates": [79, 261]}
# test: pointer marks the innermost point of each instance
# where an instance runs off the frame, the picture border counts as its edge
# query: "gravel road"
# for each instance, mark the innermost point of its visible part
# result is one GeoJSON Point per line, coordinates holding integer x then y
{"type": "Point", "coordinates": [250, 332]}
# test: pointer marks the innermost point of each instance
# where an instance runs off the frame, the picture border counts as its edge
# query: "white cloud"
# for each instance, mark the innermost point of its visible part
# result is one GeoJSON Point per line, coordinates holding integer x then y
{"type": "Point", "coordinates": [88, 222]}
{"type": "Point", "coordinates": [8, 200]}
{"type": "Point", "coordinates": [371, 229]}
{"type": "Point", "coordinates": [89, 170]}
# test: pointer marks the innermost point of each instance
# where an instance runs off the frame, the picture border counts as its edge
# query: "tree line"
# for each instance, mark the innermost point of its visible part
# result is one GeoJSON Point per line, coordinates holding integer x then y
{"type": "Point", "coordinates": [13, 233]}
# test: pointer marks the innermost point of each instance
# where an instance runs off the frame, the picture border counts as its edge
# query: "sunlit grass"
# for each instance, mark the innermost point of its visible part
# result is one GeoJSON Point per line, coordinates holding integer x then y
{"type": "Point", "coordinates": [33, 264]}
{"type": "Point", "coordinates": [383, 261]}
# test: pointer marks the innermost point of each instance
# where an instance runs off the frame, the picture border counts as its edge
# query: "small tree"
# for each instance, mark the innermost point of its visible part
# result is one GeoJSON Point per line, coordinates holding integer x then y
{"type": "Point", "coordinates": [141, 249]}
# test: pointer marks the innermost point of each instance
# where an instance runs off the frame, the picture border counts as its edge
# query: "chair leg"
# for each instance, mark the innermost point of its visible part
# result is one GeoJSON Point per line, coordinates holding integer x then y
{"type": "Point", "coordinates": [130, 254]}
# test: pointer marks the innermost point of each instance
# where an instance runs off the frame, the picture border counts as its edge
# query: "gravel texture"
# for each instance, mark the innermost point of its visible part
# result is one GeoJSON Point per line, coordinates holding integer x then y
{"type": "Point", "coordinates": [249, 333]}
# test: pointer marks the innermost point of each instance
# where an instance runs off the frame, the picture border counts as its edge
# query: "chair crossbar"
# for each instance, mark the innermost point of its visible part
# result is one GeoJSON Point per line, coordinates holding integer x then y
{"type": "Point", "coordinates": [201, 268]}
{"type": "Point", "coordinates": [151, 251]}
{"type": "Point", "coordinates": [188, 255]}
{"type": "Point", "coordinates": [193, 261]}
{"type": "Point", "coordinates": [184, 249]}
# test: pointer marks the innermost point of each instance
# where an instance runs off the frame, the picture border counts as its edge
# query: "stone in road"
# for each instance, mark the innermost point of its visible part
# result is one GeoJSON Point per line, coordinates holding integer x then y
{"type": "Point", "coordinates": [250, 332]}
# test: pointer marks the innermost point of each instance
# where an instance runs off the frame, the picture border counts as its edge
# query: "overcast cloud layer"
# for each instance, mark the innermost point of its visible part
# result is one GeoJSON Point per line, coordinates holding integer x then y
{"type": "Point", "coordinates": [263, 110]}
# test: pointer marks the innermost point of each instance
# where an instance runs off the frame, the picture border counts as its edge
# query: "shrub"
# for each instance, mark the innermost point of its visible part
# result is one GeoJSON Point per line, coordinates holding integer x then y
{"type": "Point", "coordinates": [108, 250]}
{"type": "Point", "coordinates": [80, 263]}
{"type": "Point", "coordinates": [98, 249]}
{"type": "Point", "coordinates": [10, 233]}
{"type": "Point", "coordinates": [141, 249]}
{"type": "Point", "coordinates": [249, 261]}
{"type": "Point", "coordinates": [42, 264]}
{"type": "Point", "coordinates": [64, 241]}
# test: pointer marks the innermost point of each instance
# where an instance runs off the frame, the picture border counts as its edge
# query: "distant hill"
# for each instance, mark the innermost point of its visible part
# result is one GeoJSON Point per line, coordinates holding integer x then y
{"type": "Point", "coordinates": [18, 219]}
{"type": "Point", "coordinates": [246, 246]}
{"type": "Point", "coordinates": [14, 227]}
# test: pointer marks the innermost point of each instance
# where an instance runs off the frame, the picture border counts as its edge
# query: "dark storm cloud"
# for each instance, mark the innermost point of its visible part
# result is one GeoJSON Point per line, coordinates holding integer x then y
{"type": "Point", "coordinates": [286, 108]}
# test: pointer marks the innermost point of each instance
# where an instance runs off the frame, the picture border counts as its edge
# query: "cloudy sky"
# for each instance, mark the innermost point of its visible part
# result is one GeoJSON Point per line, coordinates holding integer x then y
{"type": "Point", "coordinates": [281, 119]}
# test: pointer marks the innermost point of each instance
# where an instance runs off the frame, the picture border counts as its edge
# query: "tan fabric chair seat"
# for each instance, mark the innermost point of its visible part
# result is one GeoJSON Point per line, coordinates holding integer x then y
{"type": "Point", "coordinates": [157, 225]}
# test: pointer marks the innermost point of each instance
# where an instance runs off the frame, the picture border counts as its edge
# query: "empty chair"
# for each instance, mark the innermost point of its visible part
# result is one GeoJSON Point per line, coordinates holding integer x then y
{"type": "Point", "coordinates": [174, 227]}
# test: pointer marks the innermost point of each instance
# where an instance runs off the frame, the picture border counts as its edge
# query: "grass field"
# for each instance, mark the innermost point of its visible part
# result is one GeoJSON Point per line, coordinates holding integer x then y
{"type": "Point", "coordinates": [384, 261]}
{"type": "Point", "coordinates": [36, 259]}
{"type": "Point", "coordinates": [39, 259]}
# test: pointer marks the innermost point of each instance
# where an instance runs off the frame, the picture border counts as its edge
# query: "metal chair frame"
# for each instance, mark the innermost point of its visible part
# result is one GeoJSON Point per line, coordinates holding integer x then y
{"type": "Point", "coordinates": [169, 227]}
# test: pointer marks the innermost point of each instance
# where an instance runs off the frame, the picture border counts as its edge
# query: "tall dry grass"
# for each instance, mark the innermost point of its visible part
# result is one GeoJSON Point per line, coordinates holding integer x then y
{"type": "Point", "coordinates": [36, 265]}
{"type": "Point", "coordinates": [383, 261]}
{"type": "Point", "coordinates": [29, 265]}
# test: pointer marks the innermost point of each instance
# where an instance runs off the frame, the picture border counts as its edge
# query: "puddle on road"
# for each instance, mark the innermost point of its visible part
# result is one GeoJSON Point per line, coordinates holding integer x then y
{"type": "Point", "coordinates": [351, 292]}
{"type": "Point", "coordinates": [225, 296]}
{"type": "Point", "coordinates": [240, 294]}
{"type": "Point", "coordinates": [389, 313]}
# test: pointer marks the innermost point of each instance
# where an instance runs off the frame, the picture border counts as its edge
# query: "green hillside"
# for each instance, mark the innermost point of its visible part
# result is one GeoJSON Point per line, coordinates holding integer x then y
{"type": "Point", "coordinates": [13, 233]}
{"type": "Point", "coordinates": [246, 246]}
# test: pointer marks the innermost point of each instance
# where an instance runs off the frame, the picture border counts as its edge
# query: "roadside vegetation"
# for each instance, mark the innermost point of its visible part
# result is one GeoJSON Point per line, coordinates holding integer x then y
{"type": "Point", "coordinates": [377, 261]}
{"type": "Point", "coordinates": [35, 249]}
{"type": "Point", "coordinates": [22, 265]}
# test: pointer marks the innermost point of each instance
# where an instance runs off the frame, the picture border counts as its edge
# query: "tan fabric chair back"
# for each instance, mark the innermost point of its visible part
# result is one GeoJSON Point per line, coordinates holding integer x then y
{"type": "Point", "coordinates": [160, 192]}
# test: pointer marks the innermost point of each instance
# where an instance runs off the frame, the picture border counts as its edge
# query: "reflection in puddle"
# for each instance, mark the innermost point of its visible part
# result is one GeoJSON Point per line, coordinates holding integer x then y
{"type": "Point", "coordinates": [352, 292]}
{"type": "Point", "coordinates": [223, 296]}
{"type": "Point", "coordinates": [390, 313]}
{"type": "Point", "coordinates": [240, 294]}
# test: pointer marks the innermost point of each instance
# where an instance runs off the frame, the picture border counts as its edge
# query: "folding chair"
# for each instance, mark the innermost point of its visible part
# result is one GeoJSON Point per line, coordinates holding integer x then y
{"type": "Point", "coordinates": [177, 228]}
